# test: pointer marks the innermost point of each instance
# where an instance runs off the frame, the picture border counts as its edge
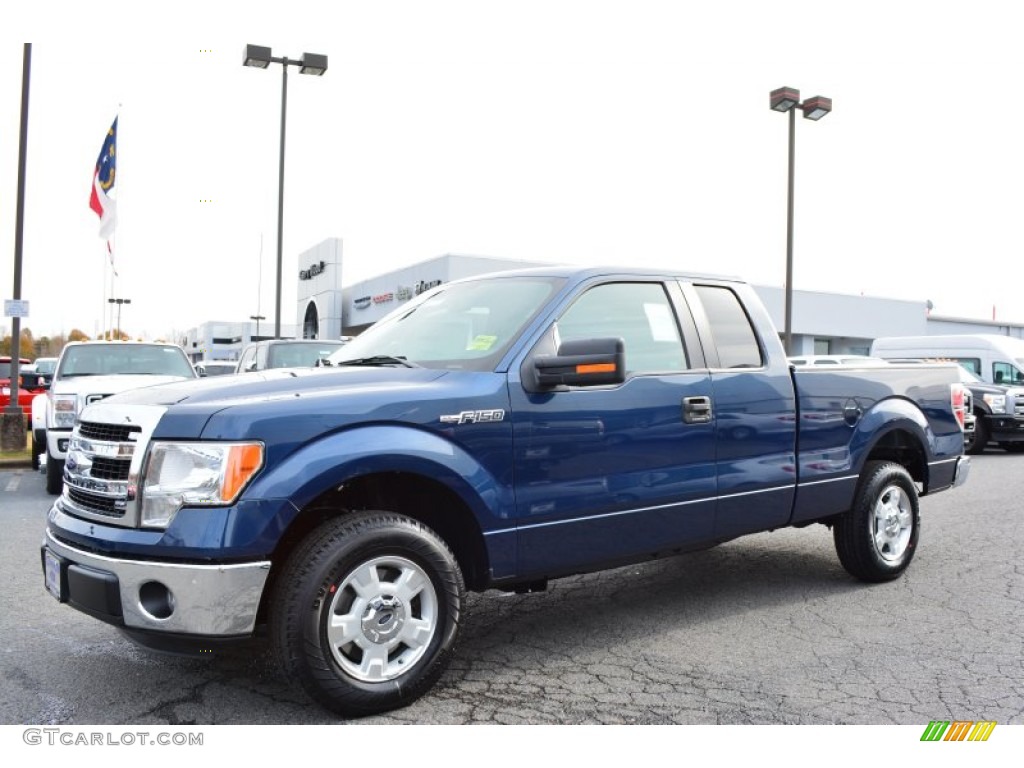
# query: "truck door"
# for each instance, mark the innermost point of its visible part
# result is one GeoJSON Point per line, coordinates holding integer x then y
{"type": "Point", "coordinates": [611, 472]}
{"type": "Point", "coordinates": [755, 410]}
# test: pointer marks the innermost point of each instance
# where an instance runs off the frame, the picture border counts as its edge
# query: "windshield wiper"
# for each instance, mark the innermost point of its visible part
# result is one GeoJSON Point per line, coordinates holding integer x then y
{"type": "Point", "coordinates": [379, 360]}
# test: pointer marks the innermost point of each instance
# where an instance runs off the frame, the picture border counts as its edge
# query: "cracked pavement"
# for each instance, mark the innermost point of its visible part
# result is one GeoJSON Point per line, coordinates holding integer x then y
{"type": "Point", "coordinates": [767, 629]}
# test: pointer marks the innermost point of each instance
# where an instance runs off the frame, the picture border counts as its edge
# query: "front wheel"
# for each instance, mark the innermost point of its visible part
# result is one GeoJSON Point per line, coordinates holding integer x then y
{"type": "Point", "coordinates": [980, 438]}
{"type": "Point", "coordinates": [366, 612]}
{"type": "Point", "coordinates": [877, 537]}
{"type": "Point", "coordinates": [54, 474]}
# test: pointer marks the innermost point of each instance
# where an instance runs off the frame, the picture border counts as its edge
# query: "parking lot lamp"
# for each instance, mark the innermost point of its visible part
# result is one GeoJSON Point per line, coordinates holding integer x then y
{"type": "Point", "coordinates": [259, 56]}
{"type": "Point", "coordinates": [119, 303]}
{"type": "Point", "coordinates": [815, 108]}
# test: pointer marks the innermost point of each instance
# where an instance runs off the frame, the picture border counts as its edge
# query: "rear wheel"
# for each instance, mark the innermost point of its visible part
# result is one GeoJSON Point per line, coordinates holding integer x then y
{"type": "Point", "coordinates": [366, 612]}
{"type": "Point", "coordinates": [876, 539]}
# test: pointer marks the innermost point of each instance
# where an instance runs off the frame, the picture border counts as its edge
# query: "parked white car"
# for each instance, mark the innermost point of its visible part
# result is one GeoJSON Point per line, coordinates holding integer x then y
{"type": "Point", "coordinates": [88, 371]}
{"type": "Point", "coordinates": [215, 367]}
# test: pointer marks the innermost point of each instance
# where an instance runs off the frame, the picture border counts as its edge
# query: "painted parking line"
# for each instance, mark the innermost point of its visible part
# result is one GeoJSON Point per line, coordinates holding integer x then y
{"type": "Point", "coordinates": [12, 484]}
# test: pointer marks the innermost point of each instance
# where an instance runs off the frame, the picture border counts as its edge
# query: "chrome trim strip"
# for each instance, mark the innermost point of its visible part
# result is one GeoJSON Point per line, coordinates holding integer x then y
{"type": "Point", "coordinates": [208, 599]}
{"type": "Point", "coordinates": [602, 516]}
{"type": "Point", "coordinates": [829, 480]}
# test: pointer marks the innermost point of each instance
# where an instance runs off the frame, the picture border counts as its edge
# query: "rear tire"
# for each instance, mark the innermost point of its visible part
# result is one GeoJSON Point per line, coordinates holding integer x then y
{"type": "Point", "coordinates": [36, 453]}
{"type": "Point", "coordinates": [876, 539]}
{"type": "Point", "coordinates": [54, 474]}
{"type": "Point", "coordinates": [366, 612]}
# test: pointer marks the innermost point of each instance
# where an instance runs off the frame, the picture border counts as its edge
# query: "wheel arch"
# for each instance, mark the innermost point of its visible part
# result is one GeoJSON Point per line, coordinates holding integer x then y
{"type": "Point", "coordinates": [411, 494]}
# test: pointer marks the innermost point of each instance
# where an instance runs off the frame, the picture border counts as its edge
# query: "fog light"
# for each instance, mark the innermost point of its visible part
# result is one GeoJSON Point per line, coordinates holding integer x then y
{"type": "Point", "coordinates": [156, 600]}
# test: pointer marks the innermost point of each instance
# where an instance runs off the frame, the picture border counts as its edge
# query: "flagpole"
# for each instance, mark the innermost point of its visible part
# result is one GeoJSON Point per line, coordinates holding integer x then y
{"type": "Point", "coordinates": [103, 307]}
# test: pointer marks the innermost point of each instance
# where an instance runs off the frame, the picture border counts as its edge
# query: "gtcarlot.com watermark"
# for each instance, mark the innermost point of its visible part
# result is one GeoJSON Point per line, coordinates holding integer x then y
{"type": "Point", "coordinates": [70, 737]}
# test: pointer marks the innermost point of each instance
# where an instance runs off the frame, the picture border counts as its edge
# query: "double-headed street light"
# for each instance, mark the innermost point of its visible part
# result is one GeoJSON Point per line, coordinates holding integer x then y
{"type": "Point", "coordinates": [119, 302]}
{"type": "Point", "coordinates": [310, 64]}
{"type": "Point", "coordinates": [815, 108]}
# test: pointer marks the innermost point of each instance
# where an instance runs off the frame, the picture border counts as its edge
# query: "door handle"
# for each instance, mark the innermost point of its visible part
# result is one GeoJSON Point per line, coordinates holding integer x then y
{"type": "Point", "coordinates": [697, 410]}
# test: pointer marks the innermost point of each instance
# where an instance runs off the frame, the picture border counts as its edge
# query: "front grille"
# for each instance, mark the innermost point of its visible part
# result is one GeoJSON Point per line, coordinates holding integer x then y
{"type": "Point", "coordinates": [110, 433]}
{"type": "Point", "coordinates": [110, 469]}
{"type": "Point", "coordinates": [104, 462]}
{"type": "Point", "coordinates": [100, 505]}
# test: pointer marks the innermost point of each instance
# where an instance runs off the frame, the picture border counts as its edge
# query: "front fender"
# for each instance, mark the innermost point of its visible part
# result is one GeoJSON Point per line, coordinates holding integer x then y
{"type": "Point", "coordinates": [337, 458]}
{"type": "Point", "coordinates": [39, 412]}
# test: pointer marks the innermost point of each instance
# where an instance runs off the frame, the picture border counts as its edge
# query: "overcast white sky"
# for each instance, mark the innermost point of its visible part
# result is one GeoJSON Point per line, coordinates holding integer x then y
{"type": "Point", "coordinates": [584, 132]}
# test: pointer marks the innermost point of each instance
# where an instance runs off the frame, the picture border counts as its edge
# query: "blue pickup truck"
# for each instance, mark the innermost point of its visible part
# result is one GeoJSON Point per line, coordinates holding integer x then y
{"type": "Point", "coordinates": [493, 433]}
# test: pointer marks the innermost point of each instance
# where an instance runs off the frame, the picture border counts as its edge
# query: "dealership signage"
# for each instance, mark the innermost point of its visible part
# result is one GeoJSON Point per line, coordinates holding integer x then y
{"type": "Point", "coordinates": [312, 271]}
{"type": "Point", "coordinates": [362, 302]}
{"type": "Point", "coordinates": [425, 285]}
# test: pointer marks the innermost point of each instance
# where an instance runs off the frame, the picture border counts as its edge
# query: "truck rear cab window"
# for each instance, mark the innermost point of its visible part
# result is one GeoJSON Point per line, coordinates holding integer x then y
{"type": "Point", "coordinates": [638, 313]}
{"type": "Point", "coordinates": [733, 336]}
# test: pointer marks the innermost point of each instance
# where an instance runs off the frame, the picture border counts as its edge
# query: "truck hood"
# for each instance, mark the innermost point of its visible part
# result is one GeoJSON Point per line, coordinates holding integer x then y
{"type": "Point", "coordinates": [108, 385]}
{"type": "Point", "coordinates": [275, 384]}
{"type": "Point", "coordinates": [290, 406]}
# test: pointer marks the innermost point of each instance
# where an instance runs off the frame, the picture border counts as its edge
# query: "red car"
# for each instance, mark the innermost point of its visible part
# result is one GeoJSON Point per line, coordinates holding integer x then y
{"type": "Point", "coordinates": [24, 395]}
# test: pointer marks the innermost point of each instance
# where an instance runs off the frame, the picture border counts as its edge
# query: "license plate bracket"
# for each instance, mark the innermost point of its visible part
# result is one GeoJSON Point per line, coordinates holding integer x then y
{"type": "Point", "coordinates": [54, 569]}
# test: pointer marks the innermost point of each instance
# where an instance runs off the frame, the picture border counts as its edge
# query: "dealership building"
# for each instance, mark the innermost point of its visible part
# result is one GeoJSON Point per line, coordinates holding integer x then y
{"type": "Point", "coordinates": [823, 323]}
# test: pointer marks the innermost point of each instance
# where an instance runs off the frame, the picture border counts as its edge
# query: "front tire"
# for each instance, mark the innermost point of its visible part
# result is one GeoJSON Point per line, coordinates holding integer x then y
{"type": "Point", "coordinates": [366, 612]}
{"type": "Point", "coordinates": [876, 539]}
{"type": "Point", "coordinates": [36, 453]}
{"type": "Point", "coordinates": [54, 474]}
{"type": "Point", "coordinates": [980, 438]}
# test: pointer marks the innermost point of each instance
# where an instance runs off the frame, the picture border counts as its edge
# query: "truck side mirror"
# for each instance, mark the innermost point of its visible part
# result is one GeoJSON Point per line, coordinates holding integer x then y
{"type": "Point", "coordinates": [582, 363]}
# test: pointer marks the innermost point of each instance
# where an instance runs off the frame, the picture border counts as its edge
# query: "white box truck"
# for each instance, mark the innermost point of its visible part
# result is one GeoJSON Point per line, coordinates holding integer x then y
{"type": "Point", "coordinates": [996, 359]}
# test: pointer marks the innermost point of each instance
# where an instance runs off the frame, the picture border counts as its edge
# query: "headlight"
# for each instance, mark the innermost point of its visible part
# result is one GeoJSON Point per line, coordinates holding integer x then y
{"type": "Point", "coordinates": [996, 402]}
{"type": "Point", "coordinates": [195, 474]}
{"type": "Point", "coordinates": [62, 411]}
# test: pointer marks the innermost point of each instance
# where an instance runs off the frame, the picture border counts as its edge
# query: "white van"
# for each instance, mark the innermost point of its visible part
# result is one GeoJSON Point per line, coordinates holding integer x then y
{"type": "Point", "coordinates": [994, 358]}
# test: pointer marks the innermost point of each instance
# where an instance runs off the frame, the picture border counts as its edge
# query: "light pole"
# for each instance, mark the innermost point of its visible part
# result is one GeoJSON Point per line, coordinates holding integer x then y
{"type": "Point", "coordinates": [815, 108]}
{"type": "Point", "coordinates": [257, 318]}
{"type": "Point", "coordinates": [310, 64]}
{"type": "Point", "coordinates": [119, 302]}
{"type": "Point", "coordinates": [12, 420]}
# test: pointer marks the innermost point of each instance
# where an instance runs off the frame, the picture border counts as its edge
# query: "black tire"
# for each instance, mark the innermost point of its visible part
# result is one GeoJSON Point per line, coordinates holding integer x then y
{"type": "Point", "coordinates": [401, 625]}
{"type": "Point", "coordinates": [54, 474]}
{"type": "Point", "coordinates": [876, 539]}
{"type": "Point", "coordinates": [980, 440]}
{"type": "Point", "coordinates": [35, 453]}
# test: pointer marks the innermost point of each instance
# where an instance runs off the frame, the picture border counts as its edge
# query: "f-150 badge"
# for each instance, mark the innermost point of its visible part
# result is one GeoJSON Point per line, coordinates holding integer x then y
{"type": "Point", "coordinates": [474, 417]}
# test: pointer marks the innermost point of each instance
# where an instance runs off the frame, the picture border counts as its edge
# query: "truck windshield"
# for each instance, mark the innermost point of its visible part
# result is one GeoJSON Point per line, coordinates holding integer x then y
{"type": "Point", "coordinates": [121, 359]}
{"type": "Point", "coordinates": [466, 325]}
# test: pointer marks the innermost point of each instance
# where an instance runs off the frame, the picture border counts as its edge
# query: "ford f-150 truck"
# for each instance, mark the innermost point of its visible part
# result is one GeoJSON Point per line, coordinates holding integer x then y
{"type": "Point", "coordinates": [493, 433]}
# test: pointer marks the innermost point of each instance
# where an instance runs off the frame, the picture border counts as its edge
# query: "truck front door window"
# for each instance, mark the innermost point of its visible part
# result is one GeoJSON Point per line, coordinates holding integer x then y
{"type": "Point", "coordinates": [638, 313]}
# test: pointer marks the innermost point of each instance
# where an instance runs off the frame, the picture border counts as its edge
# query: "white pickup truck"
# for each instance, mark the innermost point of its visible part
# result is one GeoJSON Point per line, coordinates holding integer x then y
{"type": "Point", "coordinates": [88, 371]}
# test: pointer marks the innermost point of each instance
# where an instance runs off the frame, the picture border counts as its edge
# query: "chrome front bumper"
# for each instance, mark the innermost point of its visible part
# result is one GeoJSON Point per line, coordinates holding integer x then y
{"type": "Point", "coordinates": [208, 600]}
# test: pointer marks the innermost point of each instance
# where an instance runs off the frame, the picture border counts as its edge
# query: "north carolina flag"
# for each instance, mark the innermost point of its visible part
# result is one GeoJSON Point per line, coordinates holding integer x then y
{"type": "Point", "coordinates": [103, 184]}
